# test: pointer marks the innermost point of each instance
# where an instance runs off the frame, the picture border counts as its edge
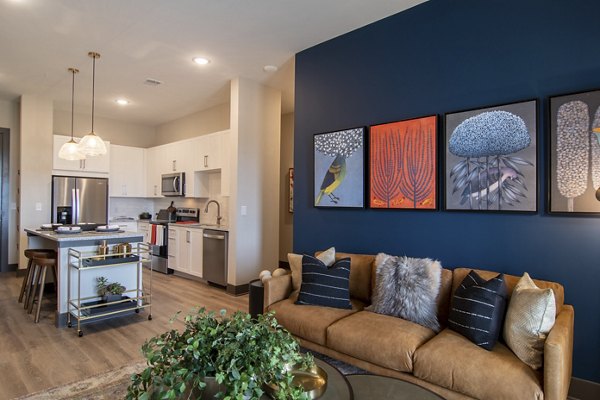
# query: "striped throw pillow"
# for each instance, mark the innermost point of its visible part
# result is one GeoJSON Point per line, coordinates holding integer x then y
{"type": "Point", "coordinates": [477, 310]}
{"type": "Point", "coordinates": [325, 286]}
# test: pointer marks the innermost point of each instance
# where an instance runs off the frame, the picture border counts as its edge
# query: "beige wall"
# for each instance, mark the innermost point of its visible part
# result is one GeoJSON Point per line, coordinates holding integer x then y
{"type": "Point", "coordinates": [286, 219]}
{"type": "Point", "coordinates": [213, 119]}
{"type": "Point", "coordinates": [9, 118]}
{"type": "Point", "coordinates": [36, 165]}
{"type": "Point", "coordinates": [255, 145]}
{"type": "Point", "coordinates": [116, 132]}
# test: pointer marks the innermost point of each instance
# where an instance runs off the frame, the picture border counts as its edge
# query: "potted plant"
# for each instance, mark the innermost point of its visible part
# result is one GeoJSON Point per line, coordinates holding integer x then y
{"type": "Point", "coordinates": [109, 291]}
{"type": "Point", "coordinates": [239, 354]}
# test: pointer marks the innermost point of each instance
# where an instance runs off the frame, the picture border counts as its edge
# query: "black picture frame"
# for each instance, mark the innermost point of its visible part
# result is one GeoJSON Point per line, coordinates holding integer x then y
{"type": "Point", "coordinates": [339, 166]}
{"type": "Point", "coordinates": [573, 158]}
{"type": "Point", "coordinates": [501, 173]}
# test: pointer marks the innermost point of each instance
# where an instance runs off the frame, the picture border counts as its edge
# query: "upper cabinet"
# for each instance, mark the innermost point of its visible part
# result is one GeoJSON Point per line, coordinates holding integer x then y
{"type": "Point", "coordinates": [127, 171]}
{"type": "Point", "coordinates": [209, 151]}
{"type": "Point", "coordinates": [95, 165]}
{"type": "Point", "coordinates": [153, 171]}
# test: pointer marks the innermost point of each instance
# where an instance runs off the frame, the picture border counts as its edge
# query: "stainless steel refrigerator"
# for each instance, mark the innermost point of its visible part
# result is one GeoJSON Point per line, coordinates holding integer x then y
{"type": "Point", "coordinates": [76, 200]}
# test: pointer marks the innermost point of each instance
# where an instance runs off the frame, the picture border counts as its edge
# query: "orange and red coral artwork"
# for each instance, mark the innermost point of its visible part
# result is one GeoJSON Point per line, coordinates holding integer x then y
{"type": "Point", "coordinates": [403, 158]}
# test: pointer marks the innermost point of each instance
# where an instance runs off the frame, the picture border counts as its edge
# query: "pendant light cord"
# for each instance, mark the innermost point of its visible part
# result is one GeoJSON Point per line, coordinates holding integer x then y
{"type": "Point", "coordinates": [72, 101]}
{"type": "Point", "coordinates": [93, 89]}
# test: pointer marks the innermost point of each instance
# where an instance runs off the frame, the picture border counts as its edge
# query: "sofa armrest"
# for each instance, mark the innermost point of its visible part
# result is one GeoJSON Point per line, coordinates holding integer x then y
{"type": "Point", "coordinates": [558, 356]}
{"type": "Point", "coordinates": [277, 289]}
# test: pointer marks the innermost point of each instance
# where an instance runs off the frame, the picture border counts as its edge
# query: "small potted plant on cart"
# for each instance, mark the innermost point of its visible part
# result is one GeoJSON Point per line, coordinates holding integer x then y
{"type": "Point", "coordinates": [109, 291]}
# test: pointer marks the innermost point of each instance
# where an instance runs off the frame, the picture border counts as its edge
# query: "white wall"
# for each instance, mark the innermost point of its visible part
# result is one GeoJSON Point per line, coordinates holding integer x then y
{"type": "Point", "coordinates": [36, 165]}
{"type": "Point", "coordinates": [255, 145]}
{"type": "Point", "coordinates": [286, 219]}
{"type": "Point", "coordinates": [116, 132]}
{"type": "Point", "coordinates": [9, 118]}
{"type": "Point", "coordinates": [211, 120]}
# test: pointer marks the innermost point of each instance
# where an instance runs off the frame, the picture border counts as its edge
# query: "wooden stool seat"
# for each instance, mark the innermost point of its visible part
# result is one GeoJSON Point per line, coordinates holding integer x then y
{"type": "Point", "coordinates": [40, 267]}
{"type": "Point", "coordinates": [27, 279]}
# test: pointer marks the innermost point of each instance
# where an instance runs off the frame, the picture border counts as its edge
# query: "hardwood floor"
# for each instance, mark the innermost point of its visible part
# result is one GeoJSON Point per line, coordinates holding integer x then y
{"type": "Point", "coordinates": [35, 357]}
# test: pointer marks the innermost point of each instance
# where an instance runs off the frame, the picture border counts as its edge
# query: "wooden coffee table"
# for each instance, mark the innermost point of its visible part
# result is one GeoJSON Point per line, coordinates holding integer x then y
{"type": "Point", "coordinates": [366, 387]}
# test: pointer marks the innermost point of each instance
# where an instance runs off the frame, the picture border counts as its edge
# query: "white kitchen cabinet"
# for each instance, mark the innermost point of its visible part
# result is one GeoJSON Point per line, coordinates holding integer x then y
{"type": "Point", "coordinates": [153, 172]}
{"type": "Point", "coordinates": [127, 171]}
{"type": "Point", "coordinates": [127, 226]}
{"type": "Point", "coordinates": [96, 165]}
{"type": "Point", "coordinates": [144, 228]}
{"type": "Point", "coordinates": [209, 149]}
{"type": "Point", "coordinates": [185, 249]}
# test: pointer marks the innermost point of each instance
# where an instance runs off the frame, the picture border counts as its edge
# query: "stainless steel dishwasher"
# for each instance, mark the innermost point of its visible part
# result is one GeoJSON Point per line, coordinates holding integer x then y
{"type": "Point", "coordinates": [214, 256]}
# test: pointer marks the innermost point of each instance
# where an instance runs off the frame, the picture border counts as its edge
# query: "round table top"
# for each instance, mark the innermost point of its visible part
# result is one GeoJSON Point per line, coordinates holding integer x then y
{"type": "Point", "coordinates": [366, 387]}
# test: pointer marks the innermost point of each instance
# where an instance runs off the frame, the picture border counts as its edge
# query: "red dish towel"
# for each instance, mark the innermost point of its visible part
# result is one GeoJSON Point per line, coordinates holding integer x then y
{"type": "Point", "coordinates": [153, 234]}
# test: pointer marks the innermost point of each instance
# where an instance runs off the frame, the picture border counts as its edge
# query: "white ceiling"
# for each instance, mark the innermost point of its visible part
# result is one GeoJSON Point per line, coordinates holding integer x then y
{"type": "Point", "coordinates": [139, 39]}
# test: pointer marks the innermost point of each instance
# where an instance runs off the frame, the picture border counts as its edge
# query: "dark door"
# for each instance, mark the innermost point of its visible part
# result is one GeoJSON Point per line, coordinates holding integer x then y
{"type": "Point", "coordinates": [4, 189]}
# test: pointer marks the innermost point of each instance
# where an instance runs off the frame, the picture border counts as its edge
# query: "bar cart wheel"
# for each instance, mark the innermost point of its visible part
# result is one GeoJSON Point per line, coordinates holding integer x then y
{"type": "Point", "coordinates": [150, 317]}
{"type": "Point", "coordinates": [137, 310]}
{"type": "Point", "coordinates": [80, 333]}
{"type": "Point", "coordinates": [69, 325]}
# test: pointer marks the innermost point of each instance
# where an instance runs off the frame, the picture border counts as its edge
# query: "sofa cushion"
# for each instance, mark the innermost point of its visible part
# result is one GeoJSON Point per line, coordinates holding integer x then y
{"type": "Point", "coordinates": [511, 281]}
{"type": "Point", "coordinates": [361, 266]}
{"type": "Point", "coordinates": [407, 288]}
{"type": "Point", "coordinates": [477, 309]}
{"type": "Point", "coordinates": [452, 361]}
{"type": "Point", "coordinates": [323, 285]}
{"type": "Point", "coordinates": [310, 322]}
{"type": "Point", "coordinates": [529, 319]}
{"type": "Point", "coordinates": [379, 339]}
{"type": "Point", "coordinates": [295, 261]}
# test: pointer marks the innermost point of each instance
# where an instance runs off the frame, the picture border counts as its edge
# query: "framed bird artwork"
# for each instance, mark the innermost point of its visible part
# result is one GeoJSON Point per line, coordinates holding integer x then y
{"type": "Point", "coordinates": [491, 158]}
{"type": "Point", "coordinates": [339, 159]}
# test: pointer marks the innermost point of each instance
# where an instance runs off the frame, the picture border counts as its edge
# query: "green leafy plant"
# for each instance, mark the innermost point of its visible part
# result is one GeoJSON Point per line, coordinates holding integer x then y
{"type": "Point", "coordinates": [240, 353]}
{"type": "Point", "coordinates": [104, 287]}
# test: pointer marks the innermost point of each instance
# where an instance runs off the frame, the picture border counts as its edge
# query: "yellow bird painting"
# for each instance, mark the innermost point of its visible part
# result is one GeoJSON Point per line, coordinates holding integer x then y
{"type": "Point", "coordinates": [332, 180]}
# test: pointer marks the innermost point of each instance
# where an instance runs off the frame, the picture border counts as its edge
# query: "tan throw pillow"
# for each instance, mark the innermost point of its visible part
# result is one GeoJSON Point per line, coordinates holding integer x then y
{"type": "Point", "coordinates": [327, 257]}
{"type": "Point", "coordinates": [529, 319]}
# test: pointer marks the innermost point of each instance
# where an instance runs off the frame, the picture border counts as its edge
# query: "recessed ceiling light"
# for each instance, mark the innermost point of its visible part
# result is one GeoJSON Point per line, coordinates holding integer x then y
{"type": "Point", "coordinates": [270, 68]}
{"type": "Point", "coordinates": [122, 102]}
{"type": "Point", "coordinates": [201, 60]}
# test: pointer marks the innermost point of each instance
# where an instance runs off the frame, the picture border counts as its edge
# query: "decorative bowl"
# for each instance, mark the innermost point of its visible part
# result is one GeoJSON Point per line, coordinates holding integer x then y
{"type": "Point", "coordinates": [312, 380]}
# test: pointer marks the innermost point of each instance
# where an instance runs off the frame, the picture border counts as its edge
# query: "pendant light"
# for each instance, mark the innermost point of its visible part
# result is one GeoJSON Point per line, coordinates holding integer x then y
{"type": "Point", "coordinates": [91, 144]}
{"type": "Point", "coordinates": [70, 150]}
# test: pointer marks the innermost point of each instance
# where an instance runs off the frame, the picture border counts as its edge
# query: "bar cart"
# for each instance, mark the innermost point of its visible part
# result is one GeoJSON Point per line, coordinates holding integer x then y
{"type": "Point", "coordinates": [93, 308]}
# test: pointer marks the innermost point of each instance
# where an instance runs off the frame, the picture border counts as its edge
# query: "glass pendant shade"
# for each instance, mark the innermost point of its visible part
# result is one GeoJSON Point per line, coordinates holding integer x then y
{"type": "Point", "coordinates": [70, 150]}
{"type": "Point", "coordinates": [92, 145]}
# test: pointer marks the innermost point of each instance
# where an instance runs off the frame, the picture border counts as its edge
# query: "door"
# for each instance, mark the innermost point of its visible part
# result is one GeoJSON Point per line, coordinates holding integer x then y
{"type": "Point", "coordinates": [63, 194]}
{"type": "Point", "coordinates": [93, 200]}
{"type": "Point", "coordinates": [4, 188]}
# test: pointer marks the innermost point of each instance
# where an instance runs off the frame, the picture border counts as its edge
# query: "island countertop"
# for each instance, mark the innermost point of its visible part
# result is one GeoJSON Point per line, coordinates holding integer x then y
{"type": "Point", "coordinates": [86, 237]}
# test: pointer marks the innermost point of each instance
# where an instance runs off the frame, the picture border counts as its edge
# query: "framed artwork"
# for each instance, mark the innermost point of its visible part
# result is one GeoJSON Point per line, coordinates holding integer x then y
{"type": "Point", "coordinates": [403, 164]}
{"type": "Point", "coordinates": [339, 168]}
{"type": "Point", "coordinates": [291, 186]}
{"type": "Point", "coordinates": [491, 158]}
{"type": "Point", "coordinates": [574, 160]}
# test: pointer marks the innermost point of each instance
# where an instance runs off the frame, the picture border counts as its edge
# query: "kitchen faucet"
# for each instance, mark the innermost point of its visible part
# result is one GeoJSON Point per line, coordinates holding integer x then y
{"type": "Point", "coordinates": [219, 218]}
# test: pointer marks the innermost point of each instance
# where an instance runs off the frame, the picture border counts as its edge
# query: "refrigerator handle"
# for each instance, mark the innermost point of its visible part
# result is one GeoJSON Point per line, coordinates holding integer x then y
{"type": "Point", "coordinates": [77, 206]}
{"type": "Point", "coordinates": [74, 205]}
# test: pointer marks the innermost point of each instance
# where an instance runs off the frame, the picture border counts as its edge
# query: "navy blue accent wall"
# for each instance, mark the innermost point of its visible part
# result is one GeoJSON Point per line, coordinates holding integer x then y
{"type": "Point", "coordinates": [445, 56]}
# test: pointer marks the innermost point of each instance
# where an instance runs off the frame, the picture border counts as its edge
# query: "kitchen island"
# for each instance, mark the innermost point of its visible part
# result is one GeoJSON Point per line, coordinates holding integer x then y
{"type": "Point", "coordinates": [85, 243]}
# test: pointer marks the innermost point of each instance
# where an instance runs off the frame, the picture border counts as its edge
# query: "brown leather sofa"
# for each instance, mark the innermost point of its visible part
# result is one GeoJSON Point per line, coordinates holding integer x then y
{"type": "Point", "coordinates": [446, 363]}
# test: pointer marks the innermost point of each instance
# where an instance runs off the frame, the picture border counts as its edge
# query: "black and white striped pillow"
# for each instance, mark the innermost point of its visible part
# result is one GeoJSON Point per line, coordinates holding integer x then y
{"type": "Point", "coordinates": [325, 286]}
{"type": "Point", "coordinates": [477, 310]}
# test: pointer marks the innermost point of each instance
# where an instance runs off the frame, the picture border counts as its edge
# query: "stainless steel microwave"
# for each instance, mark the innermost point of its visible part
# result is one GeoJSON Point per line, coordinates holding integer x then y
{"type": "Point", "coordinates": [173, 184]}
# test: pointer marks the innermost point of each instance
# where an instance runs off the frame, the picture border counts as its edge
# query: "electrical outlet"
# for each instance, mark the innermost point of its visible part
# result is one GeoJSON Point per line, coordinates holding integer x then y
{"type": "Point", "coordinates": [38, 206]}
{"type": "Point", "coordinates": [244, 210]}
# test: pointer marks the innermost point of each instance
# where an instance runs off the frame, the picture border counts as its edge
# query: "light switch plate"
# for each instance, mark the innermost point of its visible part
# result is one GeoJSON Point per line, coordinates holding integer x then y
{"type": "Point", "coordinates": [244, 210]}
{"type": "Point", "coordinates": [38, 206]}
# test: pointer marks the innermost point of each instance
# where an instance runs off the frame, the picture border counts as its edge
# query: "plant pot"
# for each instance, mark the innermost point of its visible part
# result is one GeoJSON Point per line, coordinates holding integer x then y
{"type": "Point", "coordinates": [112, 297]}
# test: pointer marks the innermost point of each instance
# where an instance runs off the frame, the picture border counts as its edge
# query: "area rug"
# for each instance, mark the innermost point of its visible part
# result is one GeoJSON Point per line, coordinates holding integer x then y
{"type": "Point", "coordinates": [113, 385]}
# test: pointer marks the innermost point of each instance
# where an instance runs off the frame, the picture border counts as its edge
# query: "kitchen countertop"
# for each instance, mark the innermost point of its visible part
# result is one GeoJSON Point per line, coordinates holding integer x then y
{"type": "Point", "coordinates": [223, 228]}
{"type": "Point", "coordinates": [69, 239]}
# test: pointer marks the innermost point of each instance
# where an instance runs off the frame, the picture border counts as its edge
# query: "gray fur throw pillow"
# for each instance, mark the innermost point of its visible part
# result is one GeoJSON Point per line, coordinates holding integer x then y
{"type": "Point", "coordinates": [407, 288]}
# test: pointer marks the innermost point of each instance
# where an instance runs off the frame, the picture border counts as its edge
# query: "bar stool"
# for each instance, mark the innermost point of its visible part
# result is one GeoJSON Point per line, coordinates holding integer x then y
{"type": "Point", "coordinates": [40, 266]}
{"type": "Point", "coordinates": [28, 278]}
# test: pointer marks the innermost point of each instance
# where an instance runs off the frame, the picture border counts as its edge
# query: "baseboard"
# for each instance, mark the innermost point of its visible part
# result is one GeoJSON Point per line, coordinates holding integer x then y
{"type": "Point", "coordinates": [237, 290]}
{"type": "Point", "coordinates": [20, 272]}
{"type": "Point", "coordinates": [582, 389]}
